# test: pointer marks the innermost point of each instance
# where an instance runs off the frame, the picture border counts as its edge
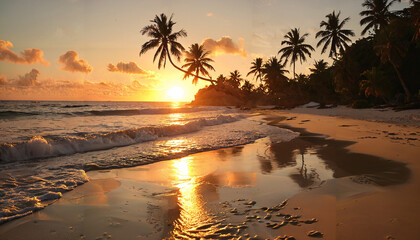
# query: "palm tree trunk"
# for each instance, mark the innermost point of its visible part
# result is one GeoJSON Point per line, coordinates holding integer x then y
{"type": "Point", "coordinates": [407, 92]}
{"type": "Point", "coordinates": [294, 70]}
{"type": "Point", "coordinates": [182, 70]}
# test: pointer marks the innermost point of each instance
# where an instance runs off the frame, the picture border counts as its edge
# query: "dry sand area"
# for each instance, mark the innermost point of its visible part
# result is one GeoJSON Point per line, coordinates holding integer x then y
{"type": "Point", "coordinates": [342, 178]}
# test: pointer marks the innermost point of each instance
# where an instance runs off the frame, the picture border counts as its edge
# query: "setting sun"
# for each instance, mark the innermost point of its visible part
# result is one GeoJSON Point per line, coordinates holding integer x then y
{"type": "Point", "coordinates": [175, 93]}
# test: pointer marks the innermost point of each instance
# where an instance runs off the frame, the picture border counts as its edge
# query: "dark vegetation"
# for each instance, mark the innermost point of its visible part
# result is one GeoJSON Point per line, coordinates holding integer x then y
{"type": "Point", "coordinates": [382, 68]}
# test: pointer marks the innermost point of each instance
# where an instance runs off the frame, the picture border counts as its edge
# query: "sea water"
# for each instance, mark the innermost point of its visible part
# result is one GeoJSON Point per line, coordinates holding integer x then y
{"type": "Point", "coordinates": [46, 147]}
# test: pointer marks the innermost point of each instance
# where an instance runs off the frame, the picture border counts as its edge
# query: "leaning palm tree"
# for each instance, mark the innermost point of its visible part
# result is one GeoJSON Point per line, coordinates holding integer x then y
{"type": "Point", "coordinates": [377, 14]}
{"type": "Point", "coordinates": [197, 61]}
{"type": "Point", "coordinates": [257, 68]}
{"type": "Point", "coordinates": [296, 49]}
{"type": "Point", "coordinates": [165, 40]}
{"type": "Point", "coordinates": [334, 35]}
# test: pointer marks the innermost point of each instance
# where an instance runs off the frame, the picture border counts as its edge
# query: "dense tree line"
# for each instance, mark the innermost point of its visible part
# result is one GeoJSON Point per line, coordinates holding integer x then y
{"type": "Point", "coordinates": [383, 67]}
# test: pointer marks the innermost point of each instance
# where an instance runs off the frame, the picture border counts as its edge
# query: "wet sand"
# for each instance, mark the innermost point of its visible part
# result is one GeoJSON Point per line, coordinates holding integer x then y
{"type": "Point", "coordinates": [341, 179]}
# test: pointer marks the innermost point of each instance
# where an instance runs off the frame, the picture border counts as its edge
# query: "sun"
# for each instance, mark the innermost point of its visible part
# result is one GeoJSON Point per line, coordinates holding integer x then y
{"type": "Point", "coordinates": [175, 93]}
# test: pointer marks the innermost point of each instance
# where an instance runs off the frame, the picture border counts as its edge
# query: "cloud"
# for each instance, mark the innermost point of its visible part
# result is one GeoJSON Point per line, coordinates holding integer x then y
{"type": "Point", "coordinates": [225, 45]}
{"type": "Point", "coordinates": [28, 56]}
{"type": "Point", "coordinates": [72, 63]}
{"type": "Point", "coordinates": [30, 79]}
{"type": "Point", "coordinates": [3, 80]}
{"type": "Point", "coordinates": [130, 68]}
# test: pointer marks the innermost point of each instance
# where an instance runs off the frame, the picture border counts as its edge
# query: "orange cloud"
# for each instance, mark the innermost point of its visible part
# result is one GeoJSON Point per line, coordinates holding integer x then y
{"type": "Point", "coordinates": [28, 56]}
{"type": "Point", "coordinates": [225, 45]}
{"type": "Point", "coordinates": [3, 80]}
{"type": "Point", "coordinates": [130, 68]}
{"type": "Point", "coordinates": [72, 63]}
{"type": "Point", "coordinates": [30, 79]}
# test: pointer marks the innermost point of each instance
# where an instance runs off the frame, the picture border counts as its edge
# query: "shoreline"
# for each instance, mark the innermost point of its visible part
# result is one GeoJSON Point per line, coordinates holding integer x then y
{"type": "Point", "coordinates": [335, 203]}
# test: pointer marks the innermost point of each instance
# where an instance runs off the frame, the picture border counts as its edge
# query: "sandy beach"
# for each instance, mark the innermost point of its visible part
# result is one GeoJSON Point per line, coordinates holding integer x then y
{"type": "Point", "coordinates": [342, 178]}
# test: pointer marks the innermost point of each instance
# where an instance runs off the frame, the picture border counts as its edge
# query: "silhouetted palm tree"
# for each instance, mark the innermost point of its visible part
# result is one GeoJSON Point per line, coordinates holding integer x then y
{"type": "Point", "coordinates": [197, 61]}
{"type": "Point", "coordinates": [319, 66]}
{"type": "Point", "coordinates": [296, 49]}
{"type": "Point", "coordinates": [334, 34]}
{"type": "Point", "coordinates": [165, 40]}
{"type": "Point", "coordinates": [391, 48]}
{"type": "Point", "coordinates": [415, 17]}
{"type": "Point", "coordinates": [257, 68]}
{"type": "Point", "coordinates": [274, 75]}
{"type": "Point", "coordinates": [235, 79]}
{"type": "Point", "coordinates": [376, 15]}
{"type": "Point", "coordinates": [274, 67]}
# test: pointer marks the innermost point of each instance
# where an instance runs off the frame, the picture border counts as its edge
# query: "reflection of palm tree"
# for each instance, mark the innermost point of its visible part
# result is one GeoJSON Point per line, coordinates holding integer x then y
{"type": "Point", "coordinates": [334, 35]}
{"type": "Point", "coordinates": [377, 14]}
{"type": "Point", "coordinates": [197, 61]}
{"type": "Point", "coordinates": [296, 49]}
{"type": "Point", "coordinates": [257, 68]}
{"type": "Point", "coordinates": [165, 40]}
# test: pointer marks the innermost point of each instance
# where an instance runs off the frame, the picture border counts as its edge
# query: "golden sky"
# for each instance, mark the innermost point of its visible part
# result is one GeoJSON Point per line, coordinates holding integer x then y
{"type": "Point", "coordinates": [88, 49]}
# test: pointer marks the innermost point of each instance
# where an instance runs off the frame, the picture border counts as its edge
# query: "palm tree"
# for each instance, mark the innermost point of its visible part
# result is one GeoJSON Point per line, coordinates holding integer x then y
{"type": "Point", "coordinates": [334, 34]}
{"type": "Point", "coordinates": [319, 66]}
{"type": "Point", "coordinates": [391, 48]}
{"type": "Point", "coordinates": [235, 79]}
{"type": "Point", "coordinates": [274, 75]}
{"type": "Point", "coordinates": [197, 61]}
{"type": "Point", "coordinates": [165, 40]}
{"type": "Point", "coordinates": [257, 68]}
{"type": "Point", "coordinates": [377, 14]}
{"type": "Point", "coordinates": [296, 48]}
{"type": "Point", "coordinates": [415, 17]}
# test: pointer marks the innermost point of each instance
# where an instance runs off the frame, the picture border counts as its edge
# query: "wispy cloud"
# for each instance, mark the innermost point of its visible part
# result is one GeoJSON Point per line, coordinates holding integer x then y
{"type": "Point", "coordinates": [28, 56]}
{"type": "Point", "coordinates": [71, 62]}
{"type": "Point", "coordinates": [130, 68]}
{"type": "Point", "coordinates": [29, 79]}
{"type": "Point", "coordinates": [225, 45]}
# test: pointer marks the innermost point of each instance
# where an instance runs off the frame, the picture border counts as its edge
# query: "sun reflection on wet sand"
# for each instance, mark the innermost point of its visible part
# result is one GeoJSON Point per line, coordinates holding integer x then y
{"type": "Point", "coordinates": [193, 212]}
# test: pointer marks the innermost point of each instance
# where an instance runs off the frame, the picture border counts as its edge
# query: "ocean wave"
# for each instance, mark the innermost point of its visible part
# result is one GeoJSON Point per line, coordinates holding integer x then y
{"type": "Point", "coordinates": [43, 147]}
{"type": "Point", "coordinates": [75, 106]}
{"type": "Point", "coordinates": [130, 112]}
{"type": "Point", "coordinates": [119, 112]}
{"type": "Point", "coordinates": [11, 114]}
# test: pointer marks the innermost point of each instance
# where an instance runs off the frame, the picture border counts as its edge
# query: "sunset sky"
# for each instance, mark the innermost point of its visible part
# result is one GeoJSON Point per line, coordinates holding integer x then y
{"type": "Point", "coordinates": [75, 49]}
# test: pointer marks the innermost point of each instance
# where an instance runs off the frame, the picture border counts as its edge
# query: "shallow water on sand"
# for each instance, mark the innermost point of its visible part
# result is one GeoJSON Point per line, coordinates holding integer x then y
{"type": "Point", "coordinates": [216, 194]}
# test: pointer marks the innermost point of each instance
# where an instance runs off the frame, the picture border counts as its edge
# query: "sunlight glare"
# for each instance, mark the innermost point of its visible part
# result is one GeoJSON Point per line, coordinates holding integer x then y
{"type": "Point", "coordinates": [175, 93]}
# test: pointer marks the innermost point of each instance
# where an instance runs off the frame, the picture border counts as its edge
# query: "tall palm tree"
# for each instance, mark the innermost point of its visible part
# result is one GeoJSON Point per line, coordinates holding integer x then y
{"type": "Point", "coordinates": [165, 40]}
{"type": "Point", "coordinates": [296, 49]}
{"type": "Point", "coordinates": [391, 48]}
{"type": "Point", "coordinates": [257, 68]}
{"type": "Point", "coordinates": [334, 34]}
{"type": "Point", "coordinates": [197, 61]}
{"type": "Point", "coordinates": [377, 14]}
{"type": "Point", "coordinates": [415, 17]}
{"type": "Point", "coordinates": [319, 66]}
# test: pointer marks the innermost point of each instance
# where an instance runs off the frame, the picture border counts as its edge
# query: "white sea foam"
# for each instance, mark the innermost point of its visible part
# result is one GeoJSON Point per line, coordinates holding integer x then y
{"type": "Point", "coordinates": [40, 147]}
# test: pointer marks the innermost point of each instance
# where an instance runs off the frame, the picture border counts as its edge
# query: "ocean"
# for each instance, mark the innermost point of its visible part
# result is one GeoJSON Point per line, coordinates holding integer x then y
{"type": "Point", "coordinates": [47, 147]}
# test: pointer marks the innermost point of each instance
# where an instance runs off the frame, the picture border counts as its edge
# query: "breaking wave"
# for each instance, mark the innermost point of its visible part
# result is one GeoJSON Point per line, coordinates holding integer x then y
{"type": "Point", "coordinates": [43, 147]}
